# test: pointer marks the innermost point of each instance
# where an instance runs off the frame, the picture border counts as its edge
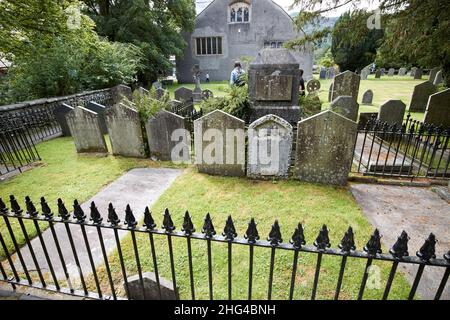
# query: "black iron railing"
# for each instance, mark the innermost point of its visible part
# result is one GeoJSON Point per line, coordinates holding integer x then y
{"type": "Point", "coordinates": [413, 149]}
{"type": "Point", "coordinates": [347, 250]}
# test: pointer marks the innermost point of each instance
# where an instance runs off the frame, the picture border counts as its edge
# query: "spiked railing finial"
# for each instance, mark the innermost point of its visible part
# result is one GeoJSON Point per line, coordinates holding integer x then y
{"type": "Point", "coordinates": [400, 248]}
{"type": "Point", "coordinates": [149, 223]}
{"type": "Point", "coordinates": [3, 207]}
{"type": "Point", "coordinates": [31, 209]}
{"type": "Point", "coordinates": [46, 211]}
{"type": "Point", "coordinates": [15, 208]}
{"type": "Point", "coordinates": [78, 212]}
{"type": "Point", "coordinates": [298, 238]}
{"type": "Point", "coordinates": [62, 210]}
{"type": "Point", "coordinates": [95, 215]}
{"type": "Point", "coordinates": [252, 232]}
{"type": "Point", "coordinates": [130, 220]}
{"type": "Point", "coordinates": [229, 232]}
{"type": "Point", "coordinates": [348, 241]}
{"type": "Point", "coordinates": [188, 226]}
{"type": "Point", "coordinates": [322, 241]}
{"type": "Point", "coordinates": [428, 249]}
{"type": "Point", "coordinates": [447, 256]}
{"type": "Point", "coordinates": [112, 215]}
{"type": "Point", "coordinates": [208, 227]}
{"type": "Point", "coordinates": [167, 222]}
{"type": "Point", "coordinates": [275, 234]}
{"type": "Point", "coordinates": [373, 246]}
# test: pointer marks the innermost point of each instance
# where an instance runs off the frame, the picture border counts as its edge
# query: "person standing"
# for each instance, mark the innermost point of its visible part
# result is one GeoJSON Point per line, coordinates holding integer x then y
{"type": "Point", "coordinates": [236, 74]}
{"type": "Point", "coordinates": [207, 77]}
{"type": "Point", "coordinates": [302, 83]}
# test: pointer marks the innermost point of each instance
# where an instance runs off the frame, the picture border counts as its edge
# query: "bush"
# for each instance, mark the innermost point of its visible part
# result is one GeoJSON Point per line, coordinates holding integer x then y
{"type": "Point", "coordinates": [309, 105]}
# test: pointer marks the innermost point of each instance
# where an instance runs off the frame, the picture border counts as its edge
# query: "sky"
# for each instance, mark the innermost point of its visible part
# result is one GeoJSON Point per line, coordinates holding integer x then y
{"type": "Point", "coordinates": [201, 4]}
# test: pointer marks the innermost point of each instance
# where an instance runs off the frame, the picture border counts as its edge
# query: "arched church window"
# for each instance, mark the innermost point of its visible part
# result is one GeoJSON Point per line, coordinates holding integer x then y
{"type": "Point", "coordinates": [233, 15]}
{"type": "Point", "coordinates": [239, 15]}
{"type": "Point", "coordinates": [239, 12]}
{"type": "Point", "coordinates": [246, 15]}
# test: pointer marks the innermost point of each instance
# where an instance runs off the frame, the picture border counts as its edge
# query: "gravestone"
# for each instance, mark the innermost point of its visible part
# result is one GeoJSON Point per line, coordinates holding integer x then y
{"type": "Point", "coordinates": [418, 74]}
{"type": "Point", "coordinates": [214, 153]}
{"type": "Point", "coordinates": [313, 85]}
{"type": "Point", "coordinates": [330, 92]}
{"type": "Point", "coordinates": [160, 93]}
{"type": "Point", "coordinates": [197, 93]}
{"type": "Point", "coordinates": [183, 94]}
{"type": "Point", "coordinates": [269, 147]}
{"type": "Point", "coordinates": [207, 94]}
{"type": "Point", "coordinates": [383, 71]}
{"type": "Point", "coordinates": [166, 133]}
{"type": "Point", "coordinates": [157, 85]}
{"type": "Point", "coordinates": [346, 106]}
{"type": "Point", "coordinates": [346, 84]}
{"type": "Point", "coordinates": [324, 151]}
{"type": "Point", "coordinates": [143, 91]}
{"type": "Point", "coordinates": [84, 126]}
{"type": "Point", "coordinates": [120, 92]}
{"type": "Point", "coordinates": [438, 109]}
{"type": "Point", "coordinates": [392, 111]}
{"type": "Point", "coordinates": [433, 73]}
{"type": "Point", "coordinates": [100, 110]}
{"type": "Point", "coordinates": [125, 133]}
{"type": "Point", "coordinates": [402, 72]}
{"type": "Point", "coordinates": [420, 96]}
{"type": "Point", "coordinates": [364, 117]}
{"type": "Point", "coordinates": [331, 72]}
{"type": "Point", "coordinates": [175, 104]}
{"type": "Point", "coordinates": [391, 72]}
{"type": "Point", "coordinates": [273, 80]}
{"type": "Point", "coordinates": [367, 97]}
{"type": "Point", "coordinates": [365, 73]}
{"type": "Point", "coordinates": [323, 73]}
{"type": "Point", "coordinates": [151, 288]}
{"type": "Point", "coordinates": [438, 79]}
{"type": "Point", "coordinates": [413, 71]}
{"type": "Point", "coordinates": [378, 74]}
{"type": "Point", "coordinates": [60, 113]}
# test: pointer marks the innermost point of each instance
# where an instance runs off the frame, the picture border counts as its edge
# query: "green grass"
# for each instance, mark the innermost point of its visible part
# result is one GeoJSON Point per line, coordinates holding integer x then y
{"type": "Point", "coordinates": [66, 174]}
{"type": "Point", "coordinates": [219, 88]}
{"type": "Point", "coordinates": [288, 201]}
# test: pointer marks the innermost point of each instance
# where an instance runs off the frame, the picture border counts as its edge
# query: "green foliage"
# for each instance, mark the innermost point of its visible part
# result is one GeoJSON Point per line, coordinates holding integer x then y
{"type": "Point", "coordinates": [154, 26]}
{"type": "Point", "coordinates": [357, 48]}
{"type": "Point", "coordinates": [327, 60]}
{"type": "Point", "coordinates": [147, 105]}
{"type": "Point", "coordinates": [309, 105]}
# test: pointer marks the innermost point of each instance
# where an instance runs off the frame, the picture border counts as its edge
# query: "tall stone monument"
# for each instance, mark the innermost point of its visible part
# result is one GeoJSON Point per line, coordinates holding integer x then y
{"type": "Point", "coordinates": [273, 80]}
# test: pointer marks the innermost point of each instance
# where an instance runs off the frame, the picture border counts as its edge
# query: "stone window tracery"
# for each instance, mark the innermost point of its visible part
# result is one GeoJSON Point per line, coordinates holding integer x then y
{"type": "Point", "coordinates": [239, 13]}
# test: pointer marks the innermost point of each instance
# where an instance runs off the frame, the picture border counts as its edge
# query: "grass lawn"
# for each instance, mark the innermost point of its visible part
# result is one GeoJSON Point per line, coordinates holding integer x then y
{"type": "Point", "coordinates": [66, 174]}
{"type": "Point", "coordinates": [288, 201]}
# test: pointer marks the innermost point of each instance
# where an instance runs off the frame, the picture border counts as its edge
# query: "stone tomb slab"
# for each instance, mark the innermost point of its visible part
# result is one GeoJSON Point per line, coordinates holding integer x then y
{"type": "Point", "coordinates": [392, 111]}
{"type": "Point", "coordinates": [346, 84]}
{"type": "Point", "coordinates": [214, 153]}
{"type": "Point", "coordinates": [325, 148]}
{"type": "Point", "coordinates": [84, 125]}
{"type": "Point", "coordinates": [100, 110]}
{"type": "Point", "coordinates": [60, 113]}
{"type": "Point", "coordinates": [269, 147]}
{"type": "Point", "coordinates": [160, 129]}
{"type": "Point", "coordinates": [420, 96]}
{"type": "Point", "coordinates": [346, 106]}
{"type": "Point", "coordinates": [438, 109]}
{"type": "Point", "coordinates": [125, 131]}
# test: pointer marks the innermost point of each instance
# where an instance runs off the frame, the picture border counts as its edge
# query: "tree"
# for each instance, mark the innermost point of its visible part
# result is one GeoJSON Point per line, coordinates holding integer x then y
{"type": "Point", "coordinates": [417, 31]}
{"type": "Point", "coordinates": [349, 54]}
{"type": "Point", "coordinates": [154, 26]}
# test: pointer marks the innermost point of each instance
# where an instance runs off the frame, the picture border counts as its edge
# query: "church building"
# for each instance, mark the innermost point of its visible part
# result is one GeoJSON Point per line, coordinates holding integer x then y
{"type": "Point", "coordinates": [229, 30]}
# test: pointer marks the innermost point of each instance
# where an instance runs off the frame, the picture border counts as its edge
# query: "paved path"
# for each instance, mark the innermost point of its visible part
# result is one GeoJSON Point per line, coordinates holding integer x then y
{"type": "Point", "coordinates": [418, 211]}
{"type": "Point", "coordinates": [138, 187]}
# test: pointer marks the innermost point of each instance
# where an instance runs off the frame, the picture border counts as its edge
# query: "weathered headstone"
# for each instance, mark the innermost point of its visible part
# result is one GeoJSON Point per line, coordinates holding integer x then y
{"type": "Point", "coordinates": [84, 126]}
{"type": "Point", "coordinates": [60, 113]}
{"type": "Point", "coordinates": [438, 79]}
{"type": "Point", "coordinates": [433, 73]}
{"type": "Point", "coordinates": [391, 72]}
{"type": "Point", "coordinates": [120, 92]}
{"type": "Point", "coordinates": [197, 93]}
{"type": "Point", "coordinates": [346, 106]}
{"type": "Point", "coordinates": [331, 72]}
{"type": "Point", "coordinates": [166, 133]}
{"type": "Point", "coordinates": [367, 97]}
{"type": "Point", "coordinates": [438, 109]}
{"type": "Point", "coordinates": [378, 74]}
{"type": "Point", "coordinates": [269, 147]}
{"type": "Point", "coordinates": [219, 141]}
{"type": "Point", "coordinates": [143, 91]}
{"type": "Point", "coordinates": [330, 92]}
{"type": "Point", "coordinates": [420, 96]}
{"type": "Point", "coordinates": [392, 111]}
{"type": "Point", "coordinates": [418, 74]}
{"type": "Point", "coordinates": [100, 110]}
{"type": "Point", "coordinates": [402, 72]}
{"type": "Point", "coordinates": [365, 73]}
{"type": "Point", "coordinates": [383, 71]}
{"type": "Point", "coordinates": [157, 85]}
{"type": "Point", "coordinates": [413, 71]}
{"type": "Point", "coordinates": [323, 73]}
{"type": "Point", "coordinates": [183, 94]}
{"type": "Point", "coordinates": [324, 151]}
{"type": "Point", "coordinates": [313, 85]}
{"type": "Point", "coordinates": [125, 133]}
{"type": "Point", "coordinates": [207, 94]}
{"type": "Point", "coordinates": [151, 288]}
{"type": "Point", "coordinates": [346, 84]}
{"type": "Point", "coordinates": [160, 93]}
{"type": "Point", "coordinates": [273, 80]}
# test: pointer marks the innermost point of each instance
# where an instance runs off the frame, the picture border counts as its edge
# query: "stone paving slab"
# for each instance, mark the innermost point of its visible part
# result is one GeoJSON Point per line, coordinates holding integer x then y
{"type": "Point", "coordinates": [138, 187]}
{"type": "Point", "coordinates": [418, 211]}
